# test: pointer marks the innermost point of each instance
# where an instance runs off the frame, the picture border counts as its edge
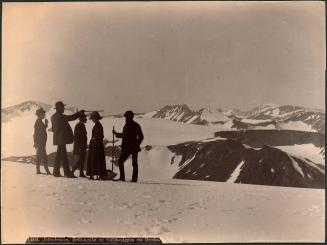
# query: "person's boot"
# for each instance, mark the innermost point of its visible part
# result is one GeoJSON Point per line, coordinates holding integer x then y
{"type": "Point", "coordinates": [122, 173]}
{"type": "Point", "coordinates": [47, 170]}
{"type": "Point", "coordinates": [91, 177]}
{"type": "Point", "coordinates": [70, 175]}
{"type": "Point", "coordinates": [73, 170]}
{"type": "Point", "coordinates": [81, 174]}
{"type": "Point", "coordinates": [38, 168]}
{"type": "Point", "coordinates": [56, 174]}
{"type": "Point", "coordinates": [135, 174]}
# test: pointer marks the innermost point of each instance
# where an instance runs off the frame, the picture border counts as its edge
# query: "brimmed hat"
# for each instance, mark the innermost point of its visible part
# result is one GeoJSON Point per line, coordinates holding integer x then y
{"type": "Point", "coordinates": [129, 114]}
{"type": "Point", "coordinates": [95, 115]}
{"type": "Point", "coordinates": [59, 104]}
{"type": "Point", "coordinates": [40, 111]}
{"type": "Point", "coordinates": [82, 115]}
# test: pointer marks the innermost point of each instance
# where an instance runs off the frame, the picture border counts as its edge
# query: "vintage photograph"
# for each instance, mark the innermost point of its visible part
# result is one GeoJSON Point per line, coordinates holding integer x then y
{"type": "Point", "coordinates": [181, 122]}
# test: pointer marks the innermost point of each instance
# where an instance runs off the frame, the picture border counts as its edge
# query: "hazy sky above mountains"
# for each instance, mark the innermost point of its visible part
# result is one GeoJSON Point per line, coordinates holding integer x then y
{"type": "Point", "coordinates": [141, 56]}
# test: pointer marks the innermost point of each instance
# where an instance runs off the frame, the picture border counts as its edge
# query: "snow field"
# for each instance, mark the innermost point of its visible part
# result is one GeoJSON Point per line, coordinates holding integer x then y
{"type": "Point", "coordinates": [309, 151]}
{"type": "Point", "coordinates": [175, 210]}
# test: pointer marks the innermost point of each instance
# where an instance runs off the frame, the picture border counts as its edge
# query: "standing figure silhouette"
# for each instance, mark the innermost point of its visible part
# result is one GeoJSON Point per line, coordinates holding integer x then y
{"type": "Point", "coordinates": [40, 140]}
{"type": "Point", "coordinates": [96, 160]}
{"type": "Point", "coordinates": [62, 135]}
{"type": "Point", "coordinates": [132, 137]}
{"type": "Point", "coordinates": [80, 145]}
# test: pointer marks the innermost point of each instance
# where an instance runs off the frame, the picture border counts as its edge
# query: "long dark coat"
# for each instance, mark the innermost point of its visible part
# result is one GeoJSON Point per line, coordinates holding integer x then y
{"type": "Point", "coordinates": [96, 160]}
{"type": "Point", "coordinates": [40, 134]}
{"type": "Point", "coordinates": [80, 138]}
{"type": "Point", "coordinates": [132, 137]}
{"type": "Point", "coordinates": [62, 132]}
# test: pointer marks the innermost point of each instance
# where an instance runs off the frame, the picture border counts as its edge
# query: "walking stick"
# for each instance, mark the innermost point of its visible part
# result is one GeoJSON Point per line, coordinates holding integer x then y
{"type": "Point", "coordinates": [112, 173]}
{"type": "Point", "coordinates": [113, 149]}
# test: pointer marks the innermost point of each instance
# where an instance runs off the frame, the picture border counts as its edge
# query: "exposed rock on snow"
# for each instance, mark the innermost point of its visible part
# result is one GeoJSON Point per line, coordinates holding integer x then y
{"type": "Point", "coordinates": [230, 161]}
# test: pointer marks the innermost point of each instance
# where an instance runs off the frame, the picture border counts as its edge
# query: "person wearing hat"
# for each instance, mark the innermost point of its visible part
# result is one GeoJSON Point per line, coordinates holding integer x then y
{"type": "Point", "coordinates": [80, 144]}
{"type": "Point", "coordinates": [62, 135]}
{"type": "Point", "coordinates": [132, 138]}
{"type": "Point", "coordinates": [96, 160]}
{"type": "Point", "coordinates": [40, 140]}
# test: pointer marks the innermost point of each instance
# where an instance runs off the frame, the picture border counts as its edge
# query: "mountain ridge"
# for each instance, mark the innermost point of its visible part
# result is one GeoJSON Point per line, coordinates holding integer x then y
{"type": "Point", "coordinates": [273, 116]}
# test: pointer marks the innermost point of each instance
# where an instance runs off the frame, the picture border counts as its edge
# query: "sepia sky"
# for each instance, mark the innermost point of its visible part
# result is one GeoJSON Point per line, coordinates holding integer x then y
{"type": "Point", "coordinates": [142, 56]}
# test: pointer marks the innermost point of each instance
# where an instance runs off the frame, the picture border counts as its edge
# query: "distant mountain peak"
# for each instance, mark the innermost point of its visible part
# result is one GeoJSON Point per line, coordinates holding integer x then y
{"type": "Point", "coordinates": [25, 107]}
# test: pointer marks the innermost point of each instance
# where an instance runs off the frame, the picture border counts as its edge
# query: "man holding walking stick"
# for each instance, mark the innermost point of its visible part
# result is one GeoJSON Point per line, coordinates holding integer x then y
{"type": "Point", "coordinates": [132, 138]}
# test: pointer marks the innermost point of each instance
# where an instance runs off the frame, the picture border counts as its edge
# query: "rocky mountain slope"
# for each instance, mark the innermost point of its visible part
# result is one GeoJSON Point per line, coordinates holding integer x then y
{"type": "Point", "coordinates": [267, 116]}
{"type": "Point", "coordinates": [182, 113]}
{"type": "Point", "coordinates": [227, 160]}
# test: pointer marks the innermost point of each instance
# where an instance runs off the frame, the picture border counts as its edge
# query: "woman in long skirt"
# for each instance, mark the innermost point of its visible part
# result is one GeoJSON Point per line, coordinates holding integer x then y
{"type": "Point", "coordinates": [96, 161]}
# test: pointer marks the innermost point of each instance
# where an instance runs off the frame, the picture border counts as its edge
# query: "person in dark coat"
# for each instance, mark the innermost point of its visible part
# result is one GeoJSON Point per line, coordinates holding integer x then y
{"type": "Point", "coordinates": [80, 145]}
{"type": "Point", "coordinates": [96, 160]}
{"type": "Point", "coordinates": [132, 138]}
{"type": "Point", "coordinates": [40, 140]}
{"type": "Point", "coordinates": [62, 135]}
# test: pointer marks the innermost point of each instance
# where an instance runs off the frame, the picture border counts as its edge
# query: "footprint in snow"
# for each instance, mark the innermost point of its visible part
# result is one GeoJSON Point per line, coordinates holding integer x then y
{"type": "Point", "coordinates": [127, 205]}
{"type": "Point", "coordinates": [85, 221]}
{"type": "Point", "coordinates": [175, 219]}
{"type": "Point", "coordinates": [136, 215]}
{"type": "Point", "coordinates": [152, 209]}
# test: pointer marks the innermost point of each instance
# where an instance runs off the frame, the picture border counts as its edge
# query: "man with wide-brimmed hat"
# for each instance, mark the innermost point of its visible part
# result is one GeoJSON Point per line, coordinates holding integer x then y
{"type": "Point", "coordinates": [132, 138]}
{"type": "Point", "coordinates": [80, 144]}
{"type": "Point", "coordinates": [62, 135]}
{"type": "Point", "coordinates": [40, 140]}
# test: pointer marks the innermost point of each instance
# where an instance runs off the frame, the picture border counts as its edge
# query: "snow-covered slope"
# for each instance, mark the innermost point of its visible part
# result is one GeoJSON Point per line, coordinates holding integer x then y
{"type": "Point", "coordinates": [215, 116]}
{"type": "Point", "coordinates": [283, 117]}
{"type": "Point", "coordinates": [149, 114]}
{"type": "Point", "coordinates": [25, 108]}
{"type": "Point", "coordinates": [260, 112]}
{"type": "Point", "coordinates": [176, 211]}
{"type": "Point", "coordinates": [306, 151]}
{"type": "Point", "coordinates": [182, 113]}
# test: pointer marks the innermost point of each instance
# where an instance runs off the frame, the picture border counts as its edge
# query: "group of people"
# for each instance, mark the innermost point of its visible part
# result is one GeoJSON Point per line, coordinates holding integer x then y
{"type": "Point", "coordinates": [63, 134]}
